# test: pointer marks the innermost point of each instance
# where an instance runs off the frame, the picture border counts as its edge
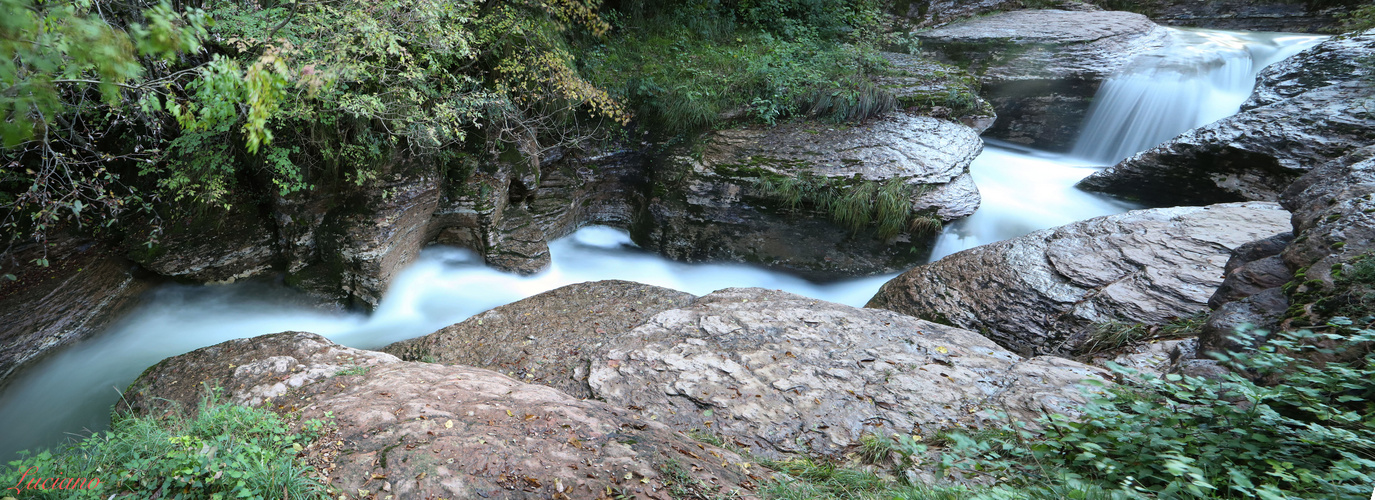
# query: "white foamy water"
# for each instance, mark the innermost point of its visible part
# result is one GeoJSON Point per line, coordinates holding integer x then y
{"type": "Point", "coordinates": [1200, 77]}
{"type": "Point", "coordinates": [74, 389]}
{"type": "Point", "coordinates": [1023, 190]}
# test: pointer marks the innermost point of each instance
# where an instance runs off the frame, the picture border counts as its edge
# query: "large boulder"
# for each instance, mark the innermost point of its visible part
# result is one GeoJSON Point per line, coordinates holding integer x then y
{"type": "Point", "coordinates": [771, 371]}
{"type": "Point", "coordinates": [770, 195]}
{"type": "Point", "coordinates": [1305, 111]}
{"type": "Point", "coordinates": [551, 338]}
{"type": "Point", "coordinates": [86, 286]}
{"type": "Point", "coordinates": [424, 430]}
{"type": "Point", "coordinates": [1042, 293]}
{"type": "Point", "coordinates": [1041, 68]}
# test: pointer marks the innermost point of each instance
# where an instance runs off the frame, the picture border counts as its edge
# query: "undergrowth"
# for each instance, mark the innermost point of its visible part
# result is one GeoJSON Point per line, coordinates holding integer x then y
{"type": "Point", "coordinates": [226, 451]}
{"type": "Point", "coordinates": [1311, 436]}
{"type": "Point", "coordinates": [685, 66]}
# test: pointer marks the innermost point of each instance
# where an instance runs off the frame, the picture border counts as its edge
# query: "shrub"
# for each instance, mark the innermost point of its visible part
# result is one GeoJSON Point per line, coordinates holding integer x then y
{"type": "Point", "coordinates": [226, 451]}
{"type": "Point", "coordinates": [685, 66]}
{"type": "Point", "coordinates": [1311, 436]}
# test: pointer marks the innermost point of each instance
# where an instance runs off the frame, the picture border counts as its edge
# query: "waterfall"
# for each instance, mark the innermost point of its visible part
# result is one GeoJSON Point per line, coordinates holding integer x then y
{"type": "Point", "coordinates": [1199, 77]}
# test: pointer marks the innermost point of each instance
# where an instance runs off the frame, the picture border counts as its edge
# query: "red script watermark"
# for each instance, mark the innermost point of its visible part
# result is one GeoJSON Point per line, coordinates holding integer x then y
{"type": "Point", "coordinates": [52, 483]}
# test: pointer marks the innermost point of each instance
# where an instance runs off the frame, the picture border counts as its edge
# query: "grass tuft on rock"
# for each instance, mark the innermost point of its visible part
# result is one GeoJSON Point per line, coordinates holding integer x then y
{"type": "Point", "coordinates": [854, 204]}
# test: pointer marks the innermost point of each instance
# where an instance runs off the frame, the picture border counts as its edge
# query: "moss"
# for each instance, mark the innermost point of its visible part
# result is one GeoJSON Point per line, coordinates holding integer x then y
{"type": "Point", "coordinates": [1351, 295]}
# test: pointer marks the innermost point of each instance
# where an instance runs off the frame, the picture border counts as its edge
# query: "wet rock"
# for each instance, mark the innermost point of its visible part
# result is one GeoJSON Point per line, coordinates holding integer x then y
{"type": "Point", "coordinates": [1154, 357]}
{"type": "Point", "coordinates": [550, 338]}
{"type": "Point", "coordinates": [1258, 249]}
{"type": "Point", "coordinates": [218, 246]}
{"type": "Point", "coordinates": [1261, 310]}
{"type": "Point", "coordinates": [1296, 120]}
{"type": "Point", "coordinates": [510, 222]}
{"type": "Point", "coordinates": [424, 430]}
{"type": "Point", "coordinates": [372, 236]}
{"type": "Point", "coordinates": [87, 286]}
{"type": "Point", "coordinates": [1042, 292]}
{"type": "Point", "coordinates": [1334, 61]}
{"type": "Point", "coordinates": [713, 205]}
{"type": "Point", "coordinates": [1334, 216]}
{"type": "Point", "coordinates": [1041, 68]}
{"type": "Point", "coordinates": [1251, 278]}
{"type": "Point", "coordinates": [1203, 368]}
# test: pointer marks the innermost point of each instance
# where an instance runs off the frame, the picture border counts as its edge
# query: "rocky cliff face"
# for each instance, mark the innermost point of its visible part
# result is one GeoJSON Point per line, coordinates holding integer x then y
{"type": "Point", "coordinates": [45, 308]}
{"type": "Point", "coordinates": [1310, 109]}
{"type": "Point", "coordinates": [775, 372]}
{"type": "Point", "coordinates": [1042, 292]}
{"type": "Point", "coordinates": [716, 203]}
{"type": "Point", "coordinates": [1041, 68]}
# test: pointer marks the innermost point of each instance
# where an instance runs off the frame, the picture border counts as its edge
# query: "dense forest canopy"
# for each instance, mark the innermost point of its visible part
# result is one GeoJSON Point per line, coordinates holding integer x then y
{"type": "Point", "coordinates": [115, 109]}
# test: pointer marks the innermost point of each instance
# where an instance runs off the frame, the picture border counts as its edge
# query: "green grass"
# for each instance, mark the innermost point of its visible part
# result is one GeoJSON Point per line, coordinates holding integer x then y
{"type": "Point", "coordinates": [226, 451]}
{"type": "Point", "coordinates": [853, 204]}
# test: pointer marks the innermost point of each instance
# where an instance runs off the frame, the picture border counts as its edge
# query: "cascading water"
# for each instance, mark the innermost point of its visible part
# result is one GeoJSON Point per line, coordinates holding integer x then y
{"type": "Point", "coordinates": [1199, 77]}
{"type": "Point", "coordinates": [72, 390]}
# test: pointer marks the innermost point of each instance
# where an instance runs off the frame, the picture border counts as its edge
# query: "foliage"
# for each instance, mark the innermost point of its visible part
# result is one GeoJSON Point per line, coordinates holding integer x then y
{"type": "Point", "coordinates": [855, 203]}
{"type": "Point", "coordinates": [72, 87]}
{"type": "Point", "coordinates": [1359, 19]}
{"type": "Point", "coordinates": [687, 65]}
{"type": "Point", "coordinates": [107, 106]}
{"type": "Point", "coordinates": [1312, 436]}
{"type": "Point", "coordinates": [226, 451]}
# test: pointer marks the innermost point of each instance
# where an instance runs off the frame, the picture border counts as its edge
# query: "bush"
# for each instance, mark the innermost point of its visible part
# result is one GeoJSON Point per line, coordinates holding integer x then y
{"type": "Point", "coordinates": [1311, 436]}
{"type": "Point", "coordinates": [685, 66]}
{"type": "Point", "coordinates": [226, 451]}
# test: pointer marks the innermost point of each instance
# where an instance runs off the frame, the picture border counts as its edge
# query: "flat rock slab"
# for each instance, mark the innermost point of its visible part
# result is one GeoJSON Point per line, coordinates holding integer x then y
{"type": "Point", "coordinates": [547, 339]}
{"type": "Point", "coordinates": [1045, 44]}
{"type": "Point", "coordinates": [771, 371]}
{"type": "Point", "coordinates": [919, 149]}
{"type": "Point", "coordinates": [1042, 292]}
{"type": "Point", "coordinates": [424, 430]}
{"type": "Point", "coordinates": [782, 374]}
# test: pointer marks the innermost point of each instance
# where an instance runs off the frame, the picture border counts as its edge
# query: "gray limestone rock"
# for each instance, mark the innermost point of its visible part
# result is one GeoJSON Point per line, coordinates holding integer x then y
{"type": "Point", "coordinates": [1041, 293]}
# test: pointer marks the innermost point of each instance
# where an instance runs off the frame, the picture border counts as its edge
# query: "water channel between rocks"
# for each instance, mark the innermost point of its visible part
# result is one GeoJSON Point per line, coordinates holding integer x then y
{"type": "Point", "coordinates": [1201, 76]}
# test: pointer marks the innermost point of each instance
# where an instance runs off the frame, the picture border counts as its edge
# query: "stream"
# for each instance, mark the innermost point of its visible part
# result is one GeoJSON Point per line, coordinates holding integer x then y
{"type": "Point", "coordinates": [1201, 76]}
